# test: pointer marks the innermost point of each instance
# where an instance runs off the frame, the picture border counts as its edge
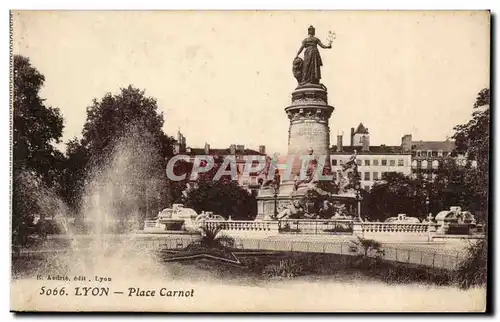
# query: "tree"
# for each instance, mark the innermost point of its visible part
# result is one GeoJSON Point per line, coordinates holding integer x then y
{"type": "Point", "coordinates": [449, 188]}
{"type": "Point", "coordinates": [123, 142]}
{"type": "Point", "coordinates": [36, 161]}
{"type": "Point", "coordinates": [225, 198]}
{"type": "Point", "coordinates": [36, 127]}
{"type": "Point", "coordinates": [176, 188]}
{"type": "Point", "coordinates": [74, 172]}
{"type": "Point", "coordinates": [472, 139]}
{"type": "Point", "coordinates": [396, 194]}
{"type": "Point", "coordinates": [111, 119]}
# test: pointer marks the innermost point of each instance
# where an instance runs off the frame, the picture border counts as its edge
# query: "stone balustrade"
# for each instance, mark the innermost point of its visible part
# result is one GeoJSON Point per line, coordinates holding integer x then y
{"type": "Point", "coordinates": [315, 226]}
{"type": "Point", "coordinates": [149, 223]}
{"type": "Point", "coordinates": [320, 226]}
{"type": "Point", "coordinates": [396, 232]}
{"type": "Point", "coordinates": [371, 227]}
{"type": "Point", "coordinates": [243, 225]}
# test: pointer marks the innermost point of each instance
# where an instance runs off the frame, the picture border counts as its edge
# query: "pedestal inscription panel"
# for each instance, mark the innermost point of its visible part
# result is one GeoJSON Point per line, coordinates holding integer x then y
{"type": "Point", "coordinates": [308, 134]}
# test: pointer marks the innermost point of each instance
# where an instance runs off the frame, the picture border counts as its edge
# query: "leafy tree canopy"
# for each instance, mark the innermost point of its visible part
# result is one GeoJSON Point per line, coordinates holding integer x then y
{"type": "Point", "coordinates": [473, 139]}
{"type": "Point", "coordinates": [222, 197]}
{"type": "Point", "coordinates": [37, 163]}
{"type": "Point", "coordinates": [36, 127]}
{"type": "Point", "coordinates": [126, 125]}
{"type": "Point", "coordinates": [111, 118]}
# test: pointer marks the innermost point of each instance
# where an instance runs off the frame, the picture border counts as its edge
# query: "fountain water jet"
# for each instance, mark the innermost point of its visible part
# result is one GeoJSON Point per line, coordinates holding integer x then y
{"type": "Point", "coordinates": [111, 206]}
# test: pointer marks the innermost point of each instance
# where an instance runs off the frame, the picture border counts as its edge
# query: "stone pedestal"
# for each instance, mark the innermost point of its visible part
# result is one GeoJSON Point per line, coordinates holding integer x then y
{"type": "Point", "coordinates": [309, 129]}
{"type": "Point", "coordinates": [431, 231]}
{"type": "Point", "coordinates": [357, 229]}
{"type": "Point", "coordinates": [443, 228]}
{"type": "Point", "coordinates": [285, 197]}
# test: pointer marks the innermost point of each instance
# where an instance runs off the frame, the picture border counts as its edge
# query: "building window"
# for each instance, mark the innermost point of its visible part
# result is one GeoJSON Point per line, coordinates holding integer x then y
{"type": "Point", "coordinates": [334, 161]}
{"type": "Point", "coordinates": [384, 162]}
{"type": "Point", "coordinates": [392, 163]}
{"type": "Point", "coordinates": [414, 164]}
{"type": "Point", "coordinates": [434, 154]}
{"type": "Point", "coordinates": [440, 153]}
{"type": "Point", "coordinates": [358, 162]}
{"type": "Point", "coordinates": [375, 176]}
{"type": "Point", "coordinates": [424, 164]}
{"type": "Point", "coordinates": [375, 162]}
{"type": "Point", "coordinates": [367, 176]}
{"type": "Point", "coordinates": [429, 153]}
{"type": "Point", "coordinates": [367, 162]}
{"type": "Point", "coordinates": [418, 153]}
{"type": "Point", "coordinates": [341, 162]}
{"type": "Point", "coordinates": [435, 164]}
{"type": "Point", "coordinates": [401, 162]}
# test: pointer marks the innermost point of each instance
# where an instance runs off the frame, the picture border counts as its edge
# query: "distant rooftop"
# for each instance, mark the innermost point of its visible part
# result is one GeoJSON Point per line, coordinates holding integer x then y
{"type": "Point", "coordinates": [223, 152]}
{"type": "Point", "coordinates": [446, 146]}
{"type": "Point", "coordinates": [376, 149]}
{"type": "Point", "coordinates": [361, 129]}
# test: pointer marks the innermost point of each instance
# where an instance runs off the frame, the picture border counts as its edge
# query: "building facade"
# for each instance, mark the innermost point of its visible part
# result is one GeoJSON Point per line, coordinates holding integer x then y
{"type": "Point", "coordinates": [247, 181]}
{"type": "Point", "coordinates": [429, 156]}
{"type": "Point", "coordinates": [373, 161]}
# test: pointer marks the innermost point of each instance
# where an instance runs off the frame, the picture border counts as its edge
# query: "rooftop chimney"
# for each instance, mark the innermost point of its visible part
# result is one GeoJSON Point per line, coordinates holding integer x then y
{"type": "Point", "coordinates": [262, 149]}
{"type": "Point", "coordinates": [180, 146]}
{"type": "Point", "coordinates": [240, 148]}
{"type": "Point", "coordinates": [352, 135]}
{"type": "Point", "coordinates": [339, 143]}
{"type": "Point", "coordinates": [207, 148]}
{"type": "Point", "coordinates": [406, 143]}
{"type": "Point", "coordinates": [232, 149]}
{"type": "Point", "coordinates": [366, 144]}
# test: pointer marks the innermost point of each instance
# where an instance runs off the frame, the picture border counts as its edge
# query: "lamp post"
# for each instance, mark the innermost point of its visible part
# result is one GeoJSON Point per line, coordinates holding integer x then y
{"type": "Point", "coordinates": [275, 203]}
{"type": "Point", "coordinates": [147, 202]}
{"type": "Point", "coordinates": [276, 188]}
{"type": "Point", "coordinates": [427, 203]}
{"type": "Point", "coordinates": [358, 200]}
{"type": "Point", "coordinates": [427, 196]}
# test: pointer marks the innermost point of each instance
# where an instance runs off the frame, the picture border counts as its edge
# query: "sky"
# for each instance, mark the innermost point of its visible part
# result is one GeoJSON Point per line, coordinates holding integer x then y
{"type": "Point", "coordinates": [226, 77]}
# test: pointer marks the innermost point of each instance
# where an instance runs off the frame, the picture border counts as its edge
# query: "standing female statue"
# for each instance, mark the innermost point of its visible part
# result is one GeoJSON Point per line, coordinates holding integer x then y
{"type": "Point", "coordinates": [308, 71]}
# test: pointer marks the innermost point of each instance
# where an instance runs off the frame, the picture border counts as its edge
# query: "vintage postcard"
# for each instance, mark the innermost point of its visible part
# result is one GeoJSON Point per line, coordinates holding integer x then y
{"type": "Point", "coordinates": [250, 161]}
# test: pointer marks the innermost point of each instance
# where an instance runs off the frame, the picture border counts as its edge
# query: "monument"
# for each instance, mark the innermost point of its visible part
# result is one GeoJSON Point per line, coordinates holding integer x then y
{"type": "Point", "coordinates": [308, 135]}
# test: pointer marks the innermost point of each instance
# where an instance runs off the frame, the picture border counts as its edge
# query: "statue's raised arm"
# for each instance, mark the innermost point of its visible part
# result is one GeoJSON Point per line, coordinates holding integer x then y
{"type": "Point", "coordinates": [308, 70]}
{"type": "Point", "coordinates": [323, 46]}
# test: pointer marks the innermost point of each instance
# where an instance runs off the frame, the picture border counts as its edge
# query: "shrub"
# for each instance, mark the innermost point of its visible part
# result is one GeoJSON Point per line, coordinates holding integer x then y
{"type": "Point", "coordinates": [369, 247]}
{"type": "Point", "coordinates": [212, 238]}
{"type": "Point", "coordinates": [473, 270]}
{"type": "Point", "coordinates": [285, 269]}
